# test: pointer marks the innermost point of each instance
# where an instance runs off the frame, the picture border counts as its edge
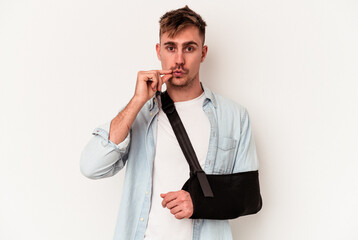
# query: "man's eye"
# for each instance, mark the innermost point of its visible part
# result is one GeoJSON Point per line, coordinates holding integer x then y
{"type": "Point", "coordinates": [189, 49]}
{"type": "Point", "coordinates": [171, 49]}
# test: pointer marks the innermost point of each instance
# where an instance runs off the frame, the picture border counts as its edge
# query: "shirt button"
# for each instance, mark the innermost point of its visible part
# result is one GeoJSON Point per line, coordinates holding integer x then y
{"type": "Point", "coordinates": [146, 193]}
{"type": "Point", "coordinates": [141, 219]}
{"type": "Point", "coordinates": [150, 114]}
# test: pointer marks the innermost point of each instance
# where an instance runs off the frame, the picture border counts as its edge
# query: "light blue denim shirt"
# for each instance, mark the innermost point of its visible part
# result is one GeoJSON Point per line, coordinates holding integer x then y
{"type": "Point", "coordinates": [231, 149]}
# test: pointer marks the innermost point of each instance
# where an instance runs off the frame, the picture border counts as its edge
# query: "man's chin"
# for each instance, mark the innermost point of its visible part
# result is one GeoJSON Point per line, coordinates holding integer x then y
{"type": "Point", "coordinates": [178, 82]}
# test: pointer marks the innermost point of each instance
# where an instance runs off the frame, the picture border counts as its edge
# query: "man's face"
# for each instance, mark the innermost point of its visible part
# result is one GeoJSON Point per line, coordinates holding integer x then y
{"type": "Point", "coordinates": [182, 54]}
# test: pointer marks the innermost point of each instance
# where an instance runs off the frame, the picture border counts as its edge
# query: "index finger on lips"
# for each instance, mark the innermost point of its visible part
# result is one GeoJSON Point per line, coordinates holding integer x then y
{"type": "Point", "coordinates": [166, 77]}
{"type": "Point", "coordinates": [163, 72]}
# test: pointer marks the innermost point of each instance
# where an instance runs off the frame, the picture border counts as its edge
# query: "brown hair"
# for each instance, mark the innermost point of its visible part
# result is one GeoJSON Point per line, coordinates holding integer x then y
{"type": "Point", "coordinates": [176, 20]}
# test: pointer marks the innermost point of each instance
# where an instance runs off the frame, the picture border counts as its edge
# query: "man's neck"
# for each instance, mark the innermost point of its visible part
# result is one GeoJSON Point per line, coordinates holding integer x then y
{"type": "Point", "coordinates": [180, 94]}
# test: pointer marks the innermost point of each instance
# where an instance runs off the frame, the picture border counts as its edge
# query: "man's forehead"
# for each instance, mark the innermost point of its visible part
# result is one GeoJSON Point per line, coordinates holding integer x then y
{"type": "Point", "coordinates": [188, 34]}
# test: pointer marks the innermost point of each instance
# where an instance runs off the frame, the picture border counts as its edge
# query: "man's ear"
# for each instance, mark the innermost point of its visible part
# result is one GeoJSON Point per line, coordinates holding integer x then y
{"type": "Point", "coordinates": [203, 53]}
{"type": "Point", "coordinates": [157, 48]}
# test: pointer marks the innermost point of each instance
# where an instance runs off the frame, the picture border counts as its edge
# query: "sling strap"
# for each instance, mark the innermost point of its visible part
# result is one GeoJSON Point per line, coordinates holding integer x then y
{"type": "Point", "coordinates": [185, 144]}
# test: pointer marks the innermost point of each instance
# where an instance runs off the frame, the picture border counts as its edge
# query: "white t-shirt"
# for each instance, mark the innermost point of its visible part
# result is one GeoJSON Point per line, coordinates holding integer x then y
{"type": "Point", "coordinates": [171, 169]}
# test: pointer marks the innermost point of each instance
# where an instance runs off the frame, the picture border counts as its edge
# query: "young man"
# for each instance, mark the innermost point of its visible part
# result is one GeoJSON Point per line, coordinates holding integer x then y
{"type": "Point", "coordinates": [153, 205]}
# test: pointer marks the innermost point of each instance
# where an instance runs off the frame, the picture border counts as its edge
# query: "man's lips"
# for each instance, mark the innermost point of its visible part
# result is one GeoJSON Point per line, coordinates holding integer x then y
{"type": "Point", "coordinates": [178, 73]}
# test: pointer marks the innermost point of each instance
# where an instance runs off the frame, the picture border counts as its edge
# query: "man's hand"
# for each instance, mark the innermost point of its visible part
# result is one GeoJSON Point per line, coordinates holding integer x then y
{"type": "Point", "coordinates": [149, 82]}
{"type": "Point", "coordinates": [179, 203]}
{"type": "Point", "coordinates": [147, 85]}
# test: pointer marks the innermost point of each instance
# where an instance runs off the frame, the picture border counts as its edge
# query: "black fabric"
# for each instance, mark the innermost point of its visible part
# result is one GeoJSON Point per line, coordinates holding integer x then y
{"type": "Point", "coordinates": [185, 144]}
{"type": "Point", "coordinates": [214, 196]}
{"type": "Point", "coordinates": [236, 195]}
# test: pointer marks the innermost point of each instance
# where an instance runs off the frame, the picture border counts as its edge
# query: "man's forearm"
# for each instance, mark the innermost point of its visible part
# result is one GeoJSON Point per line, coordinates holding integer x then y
{"type": "Point", "coordinates": [148, 83]}
{"type": "Point", "coordinates": [121, 124]}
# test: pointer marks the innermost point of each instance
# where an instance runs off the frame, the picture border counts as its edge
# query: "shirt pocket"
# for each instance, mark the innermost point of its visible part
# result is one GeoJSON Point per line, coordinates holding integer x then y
{"type": "Point", "coordinates": [225, 155]}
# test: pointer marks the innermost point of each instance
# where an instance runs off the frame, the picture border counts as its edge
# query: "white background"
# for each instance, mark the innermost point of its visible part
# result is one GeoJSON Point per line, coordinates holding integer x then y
{"type": "Point", "coordinates": [68, 66]}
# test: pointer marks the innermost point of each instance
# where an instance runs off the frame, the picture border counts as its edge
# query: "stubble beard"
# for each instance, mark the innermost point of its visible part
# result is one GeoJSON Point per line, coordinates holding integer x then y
{"type": "Point", "coordinates": [183, 84]}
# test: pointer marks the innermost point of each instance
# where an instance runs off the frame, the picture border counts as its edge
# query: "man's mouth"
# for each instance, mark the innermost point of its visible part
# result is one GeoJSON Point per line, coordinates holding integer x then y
{"type": "Point", "coordinates": [178, 73]}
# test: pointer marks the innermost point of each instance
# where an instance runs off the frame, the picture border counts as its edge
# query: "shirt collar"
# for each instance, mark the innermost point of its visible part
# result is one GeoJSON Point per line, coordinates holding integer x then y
{"type": "Point", "coordinates": [155, 99]}
{"type": "Point", "coordinates": [208, 95]}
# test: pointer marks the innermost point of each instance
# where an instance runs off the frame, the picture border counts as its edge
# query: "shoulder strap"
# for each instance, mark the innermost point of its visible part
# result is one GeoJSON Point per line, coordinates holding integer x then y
{"type": "Point", "coordinates": [185, 144]}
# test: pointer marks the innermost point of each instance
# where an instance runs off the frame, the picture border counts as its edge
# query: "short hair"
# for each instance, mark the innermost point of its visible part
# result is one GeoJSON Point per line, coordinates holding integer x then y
{"type": "Point", "coordinates": [176, 20]}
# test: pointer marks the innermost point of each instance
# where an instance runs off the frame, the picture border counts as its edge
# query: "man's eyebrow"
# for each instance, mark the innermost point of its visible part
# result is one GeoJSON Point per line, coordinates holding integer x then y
{"type": "Point", "coordinates": [169, 43]}
{"type": "Point", "coordinates": [185, 43]}
{"type": "Point", "coordinates": [190, 43]}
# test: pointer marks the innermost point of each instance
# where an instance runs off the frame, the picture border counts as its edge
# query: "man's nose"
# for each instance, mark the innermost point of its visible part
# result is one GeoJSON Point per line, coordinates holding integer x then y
{"type": "Point", "coordinates": [179, 58]}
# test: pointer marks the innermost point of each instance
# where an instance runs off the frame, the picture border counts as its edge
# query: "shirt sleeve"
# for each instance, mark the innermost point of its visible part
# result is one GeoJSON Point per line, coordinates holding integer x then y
{"type": "Point", "coordinates": [101, 157]}
{"type": "Point", "coordinates": [246, 159]}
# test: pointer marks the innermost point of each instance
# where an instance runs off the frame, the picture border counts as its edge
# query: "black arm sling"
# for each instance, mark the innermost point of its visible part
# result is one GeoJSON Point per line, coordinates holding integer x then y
{"type": "Point", "coordinates": [226, 196]}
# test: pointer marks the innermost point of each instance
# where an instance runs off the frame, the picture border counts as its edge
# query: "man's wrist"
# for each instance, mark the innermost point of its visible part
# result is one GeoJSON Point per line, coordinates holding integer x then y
{"type": "Point", "coordinates": [137, 102]}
